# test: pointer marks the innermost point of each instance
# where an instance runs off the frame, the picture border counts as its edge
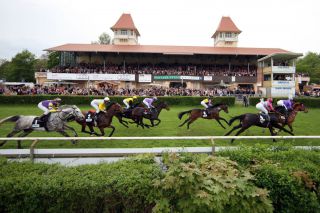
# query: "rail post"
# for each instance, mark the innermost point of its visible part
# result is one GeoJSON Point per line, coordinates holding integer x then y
{"type": "Point", "coordinates": [213, 147]}
{"type": "Point", "coordinates": [32, 150]}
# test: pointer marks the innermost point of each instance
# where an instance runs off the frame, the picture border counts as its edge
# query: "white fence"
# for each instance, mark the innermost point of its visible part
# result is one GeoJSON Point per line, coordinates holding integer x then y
{"type": "Point", "coordinates": [102, 153]}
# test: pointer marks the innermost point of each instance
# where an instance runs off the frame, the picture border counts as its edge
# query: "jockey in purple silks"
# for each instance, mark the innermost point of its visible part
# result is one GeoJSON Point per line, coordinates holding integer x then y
{"type": "Point", "coordinates": [287, 104]}
{"type": "Point", "coordinates": [48, 106]}
{"type": "Point", "coordinates": [148, 102]}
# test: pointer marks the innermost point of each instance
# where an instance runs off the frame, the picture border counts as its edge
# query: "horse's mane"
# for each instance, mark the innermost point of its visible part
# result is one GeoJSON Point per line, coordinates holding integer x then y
{"type": "Point", "coordinates": [67, 106]}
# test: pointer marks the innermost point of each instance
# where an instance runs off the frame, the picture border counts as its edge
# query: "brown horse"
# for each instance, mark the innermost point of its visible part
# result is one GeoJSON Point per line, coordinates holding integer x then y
{"type": "Point", "coordinates": [139, 113]}
{"type": "Point", "coordinates": [104, 120]}
{"type": "Point", "coordinates": [276, 120]}
{"type": "Point", "coordinates": [213, 113]}
{"type": "Point", "coordinates": [297, 107]}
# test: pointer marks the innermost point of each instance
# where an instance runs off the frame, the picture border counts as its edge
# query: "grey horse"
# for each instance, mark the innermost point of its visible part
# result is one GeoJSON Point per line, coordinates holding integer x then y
{"type": "Point", "coordinates": [57, 122]}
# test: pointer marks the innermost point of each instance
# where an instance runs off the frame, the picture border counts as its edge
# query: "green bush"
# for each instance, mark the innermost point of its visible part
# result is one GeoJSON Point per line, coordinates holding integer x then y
{"type": "Point", "coordinates": [208, 184]}
{"type": "Point", "coordinates": [292, 176]}
{"type": "Point", "coordinates": [85, 100]}
{"type": "Point", "coordinates": [308, 101]}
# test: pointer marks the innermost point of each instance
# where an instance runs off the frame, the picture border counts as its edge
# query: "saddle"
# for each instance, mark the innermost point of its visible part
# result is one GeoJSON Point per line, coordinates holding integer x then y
{"type": "Point", "coordinates": [38, 123]}
{"type": "Point", "coordinates": [264, 119]}
{"type": "Point", "coordinates": [90, 116]}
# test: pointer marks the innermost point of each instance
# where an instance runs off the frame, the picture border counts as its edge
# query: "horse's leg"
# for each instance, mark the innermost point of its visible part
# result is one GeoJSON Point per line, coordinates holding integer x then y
{"type": "Point", "coordinates": [123, 122]}
{"type": "Point", "coordinates": [190, 122]}
{"type": "Point", "coordinates": [113, 129]}
{"type": "Point", "coordinates": [92, 132]}
{"type": "Point", "coordinates": [74, 132]}
{"type": "Point", "coordinates": [220, 118]}
{"type": "Point", "coordinates": [65, 134]}
{"type": "Point", "coordinates": [272, 133]}
{"type": "Point", "coordinates": [234, 128]}
{"type": "Point", "coordinates": [282, 128]}
{"type": "Point", "coordinates": [159, 121]}
{"type": "Point", "coordinates": [240, 131]}
{"type": "Point", "coordinates": [184, 122]}
{"type": "Point", "coordinates": [219, 123]}
{"type": "Point", "coordinates": [23, 134]}
{"type": "Point", "coordinates": [11, 134]}
{"type": "Point", "coordinates": [102, 131]}
{"type": "Point", "coordinates": [290, 126]}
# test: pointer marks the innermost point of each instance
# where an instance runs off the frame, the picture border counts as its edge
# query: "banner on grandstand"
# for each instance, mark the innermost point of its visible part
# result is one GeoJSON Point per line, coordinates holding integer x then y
{"type": "Point", "coordinates": [90, 77]}
{"type": "Point", "coordinates": [207, 78]}
{"type": "Point", "coordinates": [145, 78]}
{"type": "Point", "coordinates": [283, 83]}
{"type": "Point", "coordinates": [176, 77]}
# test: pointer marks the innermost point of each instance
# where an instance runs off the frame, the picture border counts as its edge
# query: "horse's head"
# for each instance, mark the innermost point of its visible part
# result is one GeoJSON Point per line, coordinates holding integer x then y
{"type": "Point", "coordinates": [72, 112]}
{"type": "Point", "coordinates": [115, 107]}
{"type": "Point", "coordinates": [300, 107]}
{"type": "Point", "coordinates": [163, 105]}
{"type": "Point", "coordinates": [224, 107]}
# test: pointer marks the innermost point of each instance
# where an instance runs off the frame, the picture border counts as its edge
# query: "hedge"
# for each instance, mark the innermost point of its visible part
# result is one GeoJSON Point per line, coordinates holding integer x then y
{"type": "Point", "coordinates": [134, 185]}
{"type": "Point", "coordinates": [248, 179]}
{"type": "Point", "coordinates": [292, 176]}
{"type": "Point", "coordinates": [309, 102]}
{"type": "Point", "coordinates": [85, 100]}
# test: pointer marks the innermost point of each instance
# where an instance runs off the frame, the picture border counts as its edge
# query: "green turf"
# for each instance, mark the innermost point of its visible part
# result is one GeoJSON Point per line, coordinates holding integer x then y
{"type": "Point", "coordinates": [305, 124]}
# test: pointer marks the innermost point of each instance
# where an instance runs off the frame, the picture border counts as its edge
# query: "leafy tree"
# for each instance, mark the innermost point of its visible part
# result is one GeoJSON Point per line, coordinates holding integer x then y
{"type": "Point", "coordinates": [21, 67]}
{"type": "Point", "coordinates": [310, 64]}
{"type": "Point", "coordinates": [53, 59]}
{"type": "Point", "coordinates": [104, 38]}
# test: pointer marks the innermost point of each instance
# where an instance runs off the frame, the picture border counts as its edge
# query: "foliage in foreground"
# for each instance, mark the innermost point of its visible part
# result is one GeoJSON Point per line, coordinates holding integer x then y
{"type": "Point", "coordinates": [292, 176]}
{"type": "Point", "coordinates": [189, 184]}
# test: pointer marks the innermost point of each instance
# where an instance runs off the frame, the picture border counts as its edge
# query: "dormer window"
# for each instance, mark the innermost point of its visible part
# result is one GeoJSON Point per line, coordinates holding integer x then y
{"type": "Point", "coordinates": [228, 35]}
{"type": "Point", "coordinates": [123, 32]}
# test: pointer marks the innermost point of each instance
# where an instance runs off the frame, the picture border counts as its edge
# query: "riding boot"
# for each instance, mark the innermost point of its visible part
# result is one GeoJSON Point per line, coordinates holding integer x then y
{"type": "Point", "coordinates": [44, 119]}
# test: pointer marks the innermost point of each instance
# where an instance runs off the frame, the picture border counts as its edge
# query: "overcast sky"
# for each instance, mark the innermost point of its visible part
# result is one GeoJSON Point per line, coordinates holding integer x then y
{"type": "Point", "coordinates": [39, 24]}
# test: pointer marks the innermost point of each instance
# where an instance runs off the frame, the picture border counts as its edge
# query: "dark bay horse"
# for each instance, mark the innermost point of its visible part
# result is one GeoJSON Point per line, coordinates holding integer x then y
{"type": "Point", "coordinates": [249, 119]}
{"type": "Point", "coordinates": [104, 120]}
{"type": "Point", "coordinates": [213, 113]}
{"type": "Point", "coordinates": [127, 113]}
{"type": "Point", "coordinates": [297, 107]}
{"type": "Point", "coordinates": [138, 114]}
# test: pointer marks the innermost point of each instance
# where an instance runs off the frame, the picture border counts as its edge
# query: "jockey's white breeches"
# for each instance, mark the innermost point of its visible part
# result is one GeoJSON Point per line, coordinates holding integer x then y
{"type": "Point", "coordinates": [146, 103]}
{"type": "Point", "coordinates": [95, 106]}
{"type": "Point", "coordinates": [260, 107]}
{"type": "Point", "coordinates": [43, 108]}
{"type": "Point", "coordinates": [126, 103]}
{"type": "Point", "coordinates": [204, 104]}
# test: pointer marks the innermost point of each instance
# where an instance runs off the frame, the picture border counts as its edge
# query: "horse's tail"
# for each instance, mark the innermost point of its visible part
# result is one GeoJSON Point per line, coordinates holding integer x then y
{"type": "Point", "coordinates": [240, 117]}
{"type": "Point", "coordinates": [182, 113]}
{"type": "Point", "coordinates": [10, 119]}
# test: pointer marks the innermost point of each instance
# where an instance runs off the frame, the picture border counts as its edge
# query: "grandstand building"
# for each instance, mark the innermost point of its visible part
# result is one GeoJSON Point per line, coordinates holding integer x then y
{"type": "Point", "coordinates": [127, 64]}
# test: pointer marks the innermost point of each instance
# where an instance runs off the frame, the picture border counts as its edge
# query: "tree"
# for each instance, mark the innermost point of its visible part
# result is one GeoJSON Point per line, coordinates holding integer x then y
{"type": "Point", "coordinates": [53, 59]}
{"type": "Point", "coordinates": [104, 38]}
{"type": "Point", "coordinates": [21, 67]}
{"type": "Point", "coordinates": [310, 64]}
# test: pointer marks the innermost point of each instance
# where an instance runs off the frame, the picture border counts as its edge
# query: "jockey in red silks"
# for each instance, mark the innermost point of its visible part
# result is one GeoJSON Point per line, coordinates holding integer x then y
{"type": "Point", "coordinates": [265, 107]}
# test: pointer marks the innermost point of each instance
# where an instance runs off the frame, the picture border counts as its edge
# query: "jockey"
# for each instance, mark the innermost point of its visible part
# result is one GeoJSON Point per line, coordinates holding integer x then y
{"type": "Point", "coordinates": [100, 104]}
{"type": "Point", "coordinates": [48, 106]}
{"type": "Point", "coordinates": [287, 104]}
{"type": "Point", "coordinates": [129, 101]}
{"type": "Point", "coordinates": [265, 107]}
{"type": "Point", "coordinates": [148, 102]}
{"type": "Point", "coordinates": [206, 103]}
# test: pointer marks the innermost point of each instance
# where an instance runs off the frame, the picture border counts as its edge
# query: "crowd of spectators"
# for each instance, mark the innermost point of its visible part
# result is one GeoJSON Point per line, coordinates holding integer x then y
{"type": "Point", "coordinates": [108, 91]}
{"type": "Point", "coordinates": [159, 69]}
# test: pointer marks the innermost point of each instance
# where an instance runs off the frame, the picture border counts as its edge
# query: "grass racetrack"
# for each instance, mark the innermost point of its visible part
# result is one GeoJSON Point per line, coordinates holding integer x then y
{"type": "Point", "coordinates": [305, 124]}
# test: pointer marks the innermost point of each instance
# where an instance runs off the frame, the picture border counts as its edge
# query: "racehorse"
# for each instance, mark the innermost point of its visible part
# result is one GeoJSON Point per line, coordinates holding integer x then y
{"type": "Point", "coordinates": [104, 120]}
{"type": "Point", "coordinates": [213, 113]}
{"type": "Point", "coordinates": [138, 114]}
{"type": "Point", "coordinates": [57, 122]}
{"type": "Point", "coordinates": [249, 119]}
{"type": "Point", "coordinates": [127, 113]}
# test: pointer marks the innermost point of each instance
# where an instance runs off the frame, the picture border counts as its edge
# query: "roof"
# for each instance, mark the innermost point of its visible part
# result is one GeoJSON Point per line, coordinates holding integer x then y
{"type": "Point", "coordinates": [167, 50]}
{"type": "Point", "coordinates": [281, 56]}
{"type": "Point", "coordinates": [125, 22]}
{"type": "Point", "coordinates": [226, 25]}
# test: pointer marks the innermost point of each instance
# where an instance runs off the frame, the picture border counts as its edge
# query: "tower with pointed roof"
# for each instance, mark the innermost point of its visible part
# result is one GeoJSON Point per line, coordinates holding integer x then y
{"type": "Point", "coordinates": [226, 34]}
{"type": "Point", "coordinates": [125, 32]}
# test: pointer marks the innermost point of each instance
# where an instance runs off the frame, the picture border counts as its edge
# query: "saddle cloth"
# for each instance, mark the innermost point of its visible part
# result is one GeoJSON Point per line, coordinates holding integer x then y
{"type": "Point", "coordinates": [37, 123]}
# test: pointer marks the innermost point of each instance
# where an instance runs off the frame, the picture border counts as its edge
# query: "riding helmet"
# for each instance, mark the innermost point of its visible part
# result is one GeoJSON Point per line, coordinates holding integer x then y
{"type": "Point", "coordinates": [106, 99]}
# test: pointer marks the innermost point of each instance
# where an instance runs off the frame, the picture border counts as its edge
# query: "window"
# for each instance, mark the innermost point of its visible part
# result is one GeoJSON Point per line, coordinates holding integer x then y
{"type": "Point", "coordinates": [228, 35]}
{"type": "Point", "coordinates": [123, 40]}
{"type": "Point", "coordinates": [267, 77]}
{"type": "Point", "coordinates": [123, 32]}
